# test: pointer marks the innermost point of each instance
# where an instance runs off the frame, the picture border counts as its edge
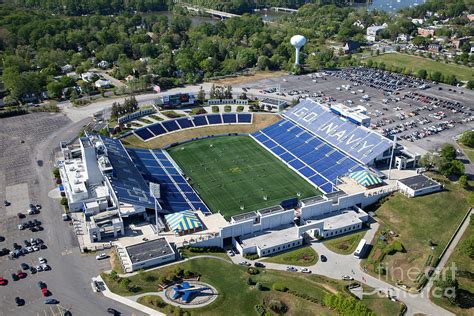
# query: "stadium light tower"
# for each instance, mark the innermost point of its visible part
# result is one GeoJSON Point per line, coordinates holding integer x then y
{"type": "Point", "coordinates": [298, 41]}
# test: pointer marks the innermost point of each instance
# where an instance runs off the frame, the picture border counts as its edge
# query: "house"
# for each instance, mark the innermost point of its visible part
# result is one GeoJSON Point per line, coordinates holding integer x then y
{"type": "Point", "coordinates": [103, 84]}
{"type": "Point", "coordinates": [434, 47]}
{"type": "Point", "coordinates": [359, 24]}
{"type": "Point", "coordinates": [425, 32]}
{"type": "Point", "coordinates": [417, 21]}
{"type": "Point", "coordinates": [373, 30]}
{"type": "Point", "coordinates": [459, 42]}
{"type": "Point", "coordinates": [89, 76]}
{"type": "Point", "coordinates": [403, 38]}
{"type": "Point", "coordinates": [66, 68]}
{"type": "Point", "coordinates": [351, 47]}
{"type": "Point", "coordinates": [103, 64]}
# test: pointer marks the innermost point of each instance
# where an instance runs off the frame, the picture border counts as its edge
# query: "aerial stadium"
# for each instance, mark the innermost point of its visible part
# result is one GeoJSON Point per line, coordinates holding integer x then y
{"type": "Point", "coordinates": [309, 173]}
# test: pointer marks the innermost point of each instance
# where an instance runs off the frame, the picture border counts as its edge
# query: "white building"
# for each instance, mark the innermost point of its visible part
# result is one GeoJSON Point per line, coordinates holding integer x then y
{"type": "Point", "coordinates": [89, 76]}
{"type": "Point", "coordinates": [373, 30]}
{"type": "Point", "coordinates": [101, 83]}
{"type": "Point", "coordinates": [418, 185]}
{"type": "Point", "coordinates": [149, 253]}
{"type": "Point", "coordinates": [103, 64]}
{"type": "Point", "coordinates": [274, 105]}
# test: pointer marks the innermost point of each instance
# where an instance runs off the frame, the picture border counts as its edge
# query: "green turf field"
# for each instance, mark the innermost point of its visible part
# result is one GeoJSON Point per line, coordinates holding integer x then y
{"type": "Point", "coordinates": [231, 172]}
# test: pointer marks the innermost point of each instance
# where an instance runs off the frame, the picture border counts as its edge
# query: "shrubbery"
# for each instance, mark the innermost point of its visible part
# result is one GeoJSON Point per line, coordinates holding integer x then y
{"type": "Point", "coordinates": [280, 287]}
{"type": "Point", "coordinates": [252, 271]}
{"type": "Point", "coordinates": [347, 305]}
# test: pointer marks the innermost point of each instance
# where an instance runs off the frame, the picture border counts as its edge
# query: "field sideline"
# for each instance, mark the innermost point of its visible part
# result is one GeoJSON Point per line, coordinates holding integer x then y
{"type": "Point", "coordinates": [231, 172]}
{"type": "Point", "coordinates": [415, 63]}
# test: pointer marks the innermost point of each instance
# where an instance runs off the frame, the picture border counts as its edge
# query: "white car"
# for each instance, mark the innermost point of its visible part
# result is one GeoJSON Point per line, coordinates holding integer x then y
{"type": "Point", "coordinates": [39, 268]}
{"type": "Point", "coordinates": [244, 263]}
{"type": "Point", "coordinates": [230, 253]}
{"type": "Point", "coordinates": [305, 270]}
{"type": "Point", "coordinates": [35, 248]}
{"type": "Point", "coordinates": [42, 260]}
{"type": "Point", "coordinates": [347, 278]}
{"type": "Point", "coordinates": [45, 267]}
{"type": "Point", "coordinates": [101, 256]}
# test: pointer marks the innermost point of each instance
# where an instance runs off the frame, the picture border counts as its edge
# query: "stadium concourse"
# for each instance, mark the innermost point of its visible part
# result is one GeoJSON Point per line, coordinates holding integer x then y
{"type": "Point", "coordinates": [145, 185]}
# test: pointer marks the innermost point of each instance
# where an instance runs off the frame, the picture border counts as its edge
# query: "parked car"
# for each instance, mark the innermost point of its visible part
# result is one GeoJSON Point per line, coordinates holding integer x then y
{"type": "Point", "coordinates": [24, 266]}
{"type": "Point", "coordinates": [15, 277]}
{"type": "Point", "coordinates": [3, 282]}
{"type": "Point", "coordinates": [42, 260]}
{"type": "Point", "coordinates": [347, 278]}
{"type": "Point", "coordinates": [259, 265]}
{"type": "Point", "coordinates": [323, 258]}
{"type": "Point", "coordinates": [20, 215]}
{"type": "Point", "coordinates": [51, 301]}
{"type": "Point", "coordinates": [33, 270]}
{"type": "Point", "coordinates": [6, 203]}
{"type": "Point", "coordinates": [113, 311]}
{"type": "Point", "coordinates": [291, 269]}
{"type": "Point", "coordinates": [21, 275]}
{"type": "Point", "coordinates": [245, 263]}
{"type": "Point", "coordinates": [230, 252]}
{"type": "Point", "coordinates": [2, 238]}
{"type": "Point", "coordinates": [305, 270]}
{"type": "Point", "coordinates": [19, 301]}
{"type": "Point", "coordinates": [45, 267]}
{"type": "Point", "coordinates": [101, 256]}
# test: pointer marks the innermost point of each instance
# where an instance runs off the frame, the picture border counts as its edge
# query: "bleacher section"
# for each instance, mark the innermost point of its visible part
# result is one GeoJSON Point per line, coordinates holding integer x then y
{"type": "Point", "coordinates": [359, 142]}
{"type": "Point", "coordinates": [160, 128]}
{"type": "Point", "coordinates": [176, 193]}
{"type": "Point", "coordinates": [313, 158]}
{"type": "Point", "coordinates": [126, 181]}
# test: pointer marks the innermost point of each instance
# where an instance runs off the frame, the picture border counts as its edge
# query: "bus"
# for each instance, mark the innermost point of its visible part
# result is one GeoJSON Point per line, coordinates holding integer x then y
{"type": "Point", "coordinates": [359, 252]}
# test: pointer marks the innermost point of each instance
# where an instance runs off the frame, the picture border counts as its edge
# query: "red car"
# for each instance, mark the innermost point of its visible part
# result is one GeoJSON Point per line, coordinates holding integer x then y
{"type": "Point", "coordinates": [21, 275]}
{"type": "Point", "coordinates": [45, 291]}
{"type": "Point", "coordinates": [3, 281]}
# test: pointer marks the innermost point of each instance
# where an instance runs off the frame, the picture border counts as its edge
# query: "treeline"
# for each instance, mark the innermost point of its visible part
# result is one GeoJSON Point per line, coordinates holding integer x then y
{"type": "Point", "coordinates": [79, 7]}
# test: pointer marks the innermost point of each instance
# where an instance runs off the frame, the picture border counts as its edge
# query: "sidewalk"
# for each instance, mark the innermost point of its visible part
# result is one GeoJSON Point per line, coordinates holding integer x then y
{"type": "Point", "coordinates": [124, 300]}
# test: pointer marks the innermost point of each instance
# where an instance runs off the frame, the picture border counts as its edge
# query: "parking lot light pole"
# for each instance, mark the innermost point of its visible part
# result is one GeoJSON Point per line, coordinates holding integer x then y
{"type": "Point", "coordinates": [391, 157]}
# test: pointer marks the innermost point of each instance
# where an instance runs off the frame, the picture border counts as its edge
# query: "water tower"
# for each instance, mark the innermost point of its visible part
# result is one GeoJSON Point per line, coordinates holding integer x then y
{"type": "Point", "coordinates": [298, 41]}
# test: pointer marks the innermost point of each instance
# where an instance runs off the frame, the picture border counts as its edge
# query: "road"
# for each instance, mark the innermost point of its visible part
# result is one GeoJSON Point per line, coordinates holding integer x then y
{"type": "Point", "coordinates": [338, 265]}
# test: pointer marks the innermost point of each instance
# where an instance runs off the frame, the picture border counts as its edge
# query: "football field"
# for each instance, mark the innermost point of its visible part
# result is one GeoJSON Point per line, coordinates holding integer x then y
{"type": "Point", "coordinates": [235, 174]}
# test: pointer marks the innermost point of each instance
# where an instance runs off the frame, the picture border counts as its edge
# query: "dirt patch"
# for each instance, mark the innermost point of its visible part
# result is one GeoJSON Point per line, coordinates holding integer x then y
{"type": "Point", "coordinates": [259, 121]}
{"type": "Point", "coordinates": [377, 254]}
{"type": "Point", "coordinates": [250, 78]}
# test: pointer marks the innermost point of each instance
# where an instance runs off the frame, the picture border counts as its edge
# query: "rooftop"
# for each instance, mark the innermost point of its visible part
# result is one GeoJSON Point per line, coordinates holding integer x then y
{"type": "Point", "coordinates": [271, 210]}
{"type": "Point", "coordinates": [418, 182]}
{"type": "Point", "coordinates": [335, 195]}
{"type": "Point", "coordinates": [244, 216]}
{"type": "Point", "coordinates": [312, 200]}
{"type": "Point", "coordinates": [342, 220]}
{"type": "Point", "coordinates": [271, 238]}
{"type": "Point", "coordinates": [149, 250]}
{"type": "Point", "coordinates": [273, 101]}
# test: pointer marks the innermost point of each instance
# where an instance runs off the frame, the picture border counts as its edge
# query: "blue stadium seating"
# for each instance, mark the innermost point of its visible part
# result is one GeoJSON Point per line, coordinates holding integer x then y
{"type": "Point", "coordinates": [214, 119]}
{"type": "Point", "coordinates": [170, 125]}
{"type": "Point", "coordinates": [185, 122]}
{"type": "Point", "coordinates": [144, 133]}
{"type": "Point", "coordinates": [156, 129]}
{"type": "Point", "coordinates": [176, 193]}
{"type": "Point", "coordinates": [200, 120]}
{"type": "Point", "coordinates": [244, 118]}
{"type": "Point", "coordinates": [359, 142]}
{"type": "Point", "coordinates": [229, 118]}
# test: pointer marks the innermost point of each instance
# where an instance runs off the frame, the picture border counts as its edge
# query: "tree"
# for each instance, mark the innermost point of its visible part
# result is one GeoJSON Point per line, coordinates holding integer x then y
{"type": "Point", "coordinates": [212, 92]}
{"type": "Point", "coordinates": [448, 285]}
{"type": "Point", "coordinates": [463, 181]}
{"type": "Point", "coordinates": [436, 76]}
{"type": "Point", "coordinates": [453, 168]}
{"type": "Point", "coordinates": [467, 139]}
{"type": "Point", "coordinates": [422, 73]}
{"type": "Point", "coordinates": [448, 152]}
{"type": "Point", "coordinates": [263, 63]}
{"type": "Point", "coordinates": [467, 247]}
{"type": "Point", "coordinates": [470, 84]}
{"type": "Point", "coordinates": [201, 95]}
{"type": "Point", "coordinates": [55, 89]}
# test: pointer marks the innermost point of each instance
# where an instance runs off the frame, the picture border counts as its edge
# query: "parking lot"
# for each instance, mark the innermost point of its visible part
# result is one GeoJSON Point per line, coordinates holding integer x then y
{"type": "Point", "coordinates": [27, 143]}
{"type": "Point", "coordinates": [416, 111]}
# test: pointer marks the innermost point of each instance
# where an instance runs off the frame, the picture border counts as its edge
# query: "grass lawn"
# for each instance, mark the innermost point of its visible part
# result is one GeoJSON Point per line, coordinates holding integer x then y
{"type": "Point", "coordinates": [156, 117]}
{"type": "Point", "coordinates": [464, 275]}
{"type": "Point", "coordinates": [417, 221]}
{"type": "Point", "coordinates": [416, 63]}
{"type": "Point", "coordinates": [234, 172]}
{"type": "Point", "coordinates": [303, 256]}
{"type": "Point", "coordinates": [469, 152]}
{"type": "Point", "coordinates": [188, 253]}
{"type": "Point", "coordinates": [344, 245]}
{"type": "Point", "coordinates": [235, 296]}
